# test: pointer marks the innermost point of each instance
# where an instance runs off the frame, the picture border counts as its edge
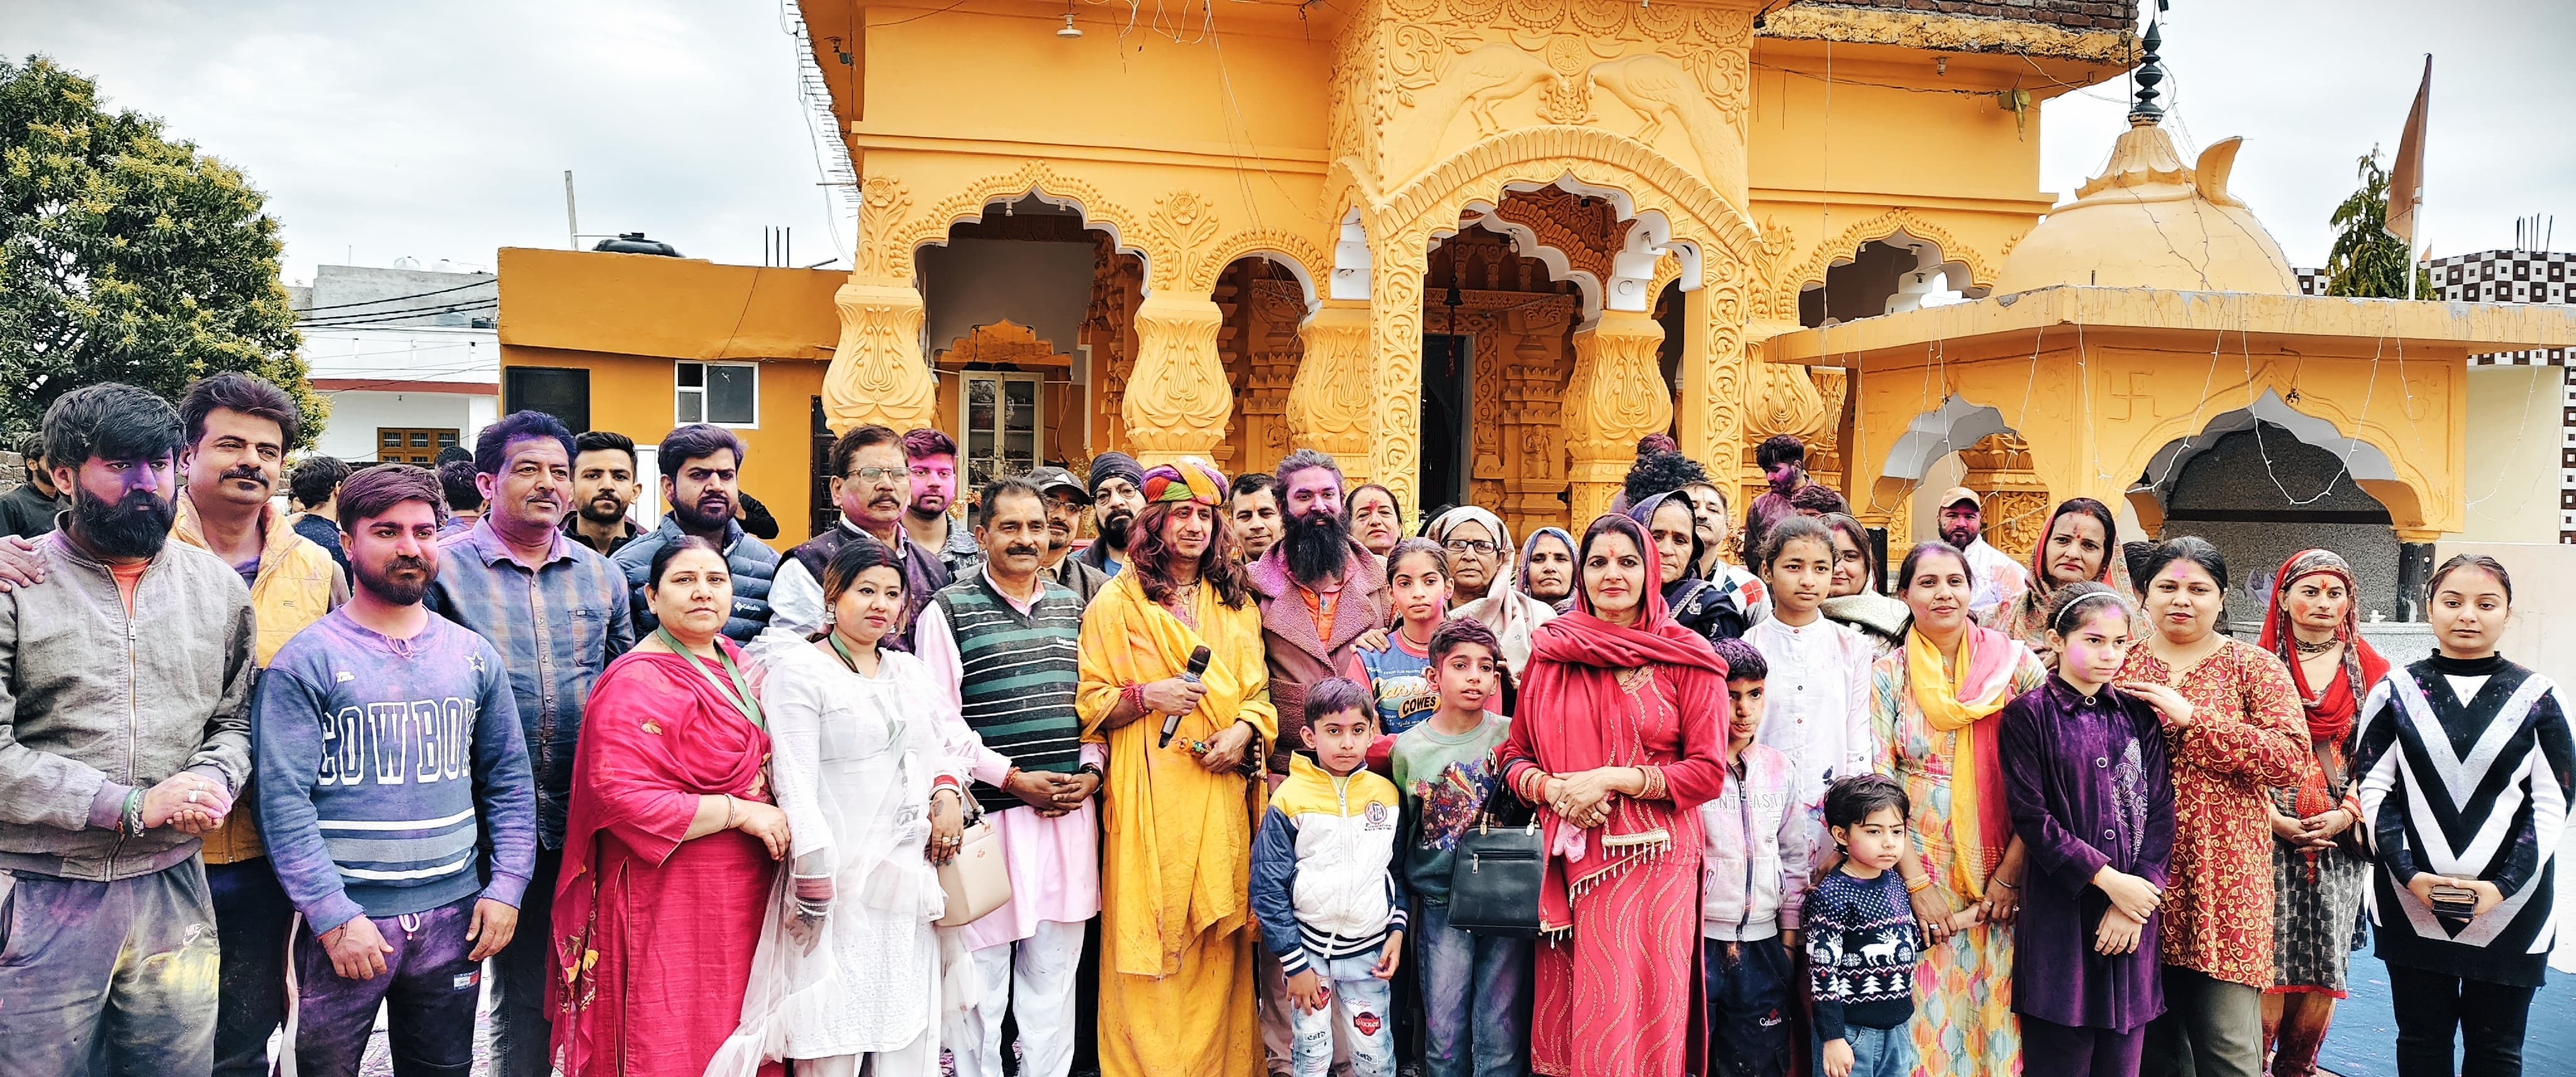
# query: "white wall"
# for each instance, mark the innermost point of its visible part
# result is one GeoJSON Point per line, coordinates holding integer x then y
{"type": "Point", "coordinates": [2513, 452]}
{"type": "Point", "coordinates": [356, 414]}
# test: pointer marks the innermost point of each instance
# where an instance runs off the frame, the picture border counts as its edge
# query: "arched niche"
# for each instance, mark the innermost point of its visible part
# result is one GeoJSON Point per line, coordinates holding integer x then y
{"type": "Point", "coordinates": [1896, 271]}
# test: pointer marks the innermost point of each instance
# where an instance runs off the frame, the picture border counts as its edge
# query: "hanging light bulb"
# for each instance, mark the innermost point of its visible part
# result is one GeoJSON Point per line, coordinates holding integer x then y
{"type": "Point", "coordinates": [1070, 31]}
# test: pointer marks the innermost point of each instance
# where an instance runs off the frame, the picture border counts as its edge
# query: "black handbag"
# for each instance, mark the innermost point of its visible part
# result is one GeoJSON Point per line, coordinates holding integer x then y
{"type": "Point", "coordinates": [1494, 879]}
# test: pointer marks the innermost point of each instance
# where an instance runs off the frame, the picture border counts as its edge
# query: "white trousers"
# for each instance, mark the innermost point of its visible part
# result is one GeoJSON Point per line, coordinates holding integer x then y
{"type": "Point", "coordinates": [1033, 979]}
{"type": "Point", "coordinates": [920, 1058]}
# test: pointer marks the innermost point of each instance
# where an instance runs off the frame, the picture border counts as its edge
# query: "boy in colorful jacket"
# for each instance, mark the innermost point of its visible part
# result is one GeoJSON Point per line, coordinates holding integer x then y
{"type": "Point", "coordinates": [1753, 879]}
{"type": "Point", "coordinates": [1324, 885]}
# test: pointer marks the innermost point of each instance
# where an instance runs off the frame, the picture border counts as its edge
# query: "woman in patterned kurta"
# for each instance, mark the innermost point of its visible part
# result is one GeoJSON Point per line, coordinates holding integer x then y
{"type": "Point", "coordinates": [1963, 1019]}
{"type": "Point", "coordinates": [2318, 869]}
{"type": "Point", "coordinates": [2243, 736]}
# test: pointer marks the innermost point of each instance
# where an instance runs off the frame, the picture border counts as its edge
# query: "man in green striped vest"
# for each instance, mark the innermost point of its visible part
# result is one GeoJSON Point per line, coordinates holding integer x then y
{"type": "Point", "coordinates": [1004, 641]}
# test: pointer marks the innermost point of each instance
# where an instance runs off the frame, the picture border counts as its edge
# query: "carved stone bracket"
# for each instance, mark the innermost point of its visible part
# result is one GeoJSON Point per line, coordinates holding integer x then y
{"type": "Point", "coordinates": [1177, 401]}
{"type": "Point", "coordinates": [1329, 406]}
{"type": "Point", "coordinates": [877, 375]}
{"type": "Point", "coordinates": [1616, 396]}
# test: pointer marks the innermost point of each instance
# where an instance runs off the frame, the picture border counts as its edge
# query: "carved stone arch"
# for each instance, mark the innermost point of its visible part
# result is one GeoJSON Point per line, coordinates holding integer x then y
{"type": "Point", "coordinates": [2369, 450]}
{"type": "Point", "coordinates": [1038, 179]}
{"type": "Point", "coordinates": [1292, 251]}
{"type": "Point", "coordinates": [1631, 171]}
{"type": "Point", "coordinates": [1811, 270]}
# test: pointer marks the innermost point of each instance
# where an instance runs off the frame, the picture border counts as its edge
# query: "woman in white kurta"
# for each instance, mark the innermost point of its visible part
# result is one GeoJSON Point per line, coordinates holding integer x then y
{"type": "Point", "coordinates": [848, 971]}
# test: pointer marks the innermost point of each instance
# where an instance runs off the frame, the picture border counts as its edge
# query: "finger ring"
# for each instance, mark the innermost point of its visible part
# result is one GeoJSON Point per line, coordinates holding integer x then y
{"type": "Point", "coordinates": [192, 797]}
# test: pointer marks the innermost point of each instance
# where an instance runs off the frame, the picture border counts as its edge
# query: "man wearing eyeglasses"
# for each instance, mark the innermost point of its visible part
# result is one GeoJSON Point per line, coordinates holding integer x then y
{"type": "Point", "coordinates": [872, 484]}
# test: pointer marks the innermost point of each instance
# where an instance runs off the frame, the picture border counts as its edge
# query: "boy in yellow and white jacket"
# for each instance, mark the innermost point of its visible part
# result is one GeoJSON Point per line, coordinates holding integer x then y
{"type": "Point", "coordinates": [1324, 885]}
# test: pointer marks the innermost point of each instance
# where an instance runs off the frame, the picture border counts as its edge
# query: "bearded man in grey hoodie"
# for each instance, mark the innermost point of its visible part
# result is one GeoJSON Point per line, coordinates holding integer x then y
{"type": "Point", "coordinates": [124, 735]}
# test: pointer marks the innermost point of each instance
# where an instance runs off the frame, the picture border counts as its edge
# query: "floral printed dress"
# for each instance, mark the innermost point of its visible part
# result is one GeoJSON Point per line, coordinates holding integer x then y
{"type": "Point", "coordinates": [2247, 736]}
{"type": "Point", "coordinates": [1963, 1017]}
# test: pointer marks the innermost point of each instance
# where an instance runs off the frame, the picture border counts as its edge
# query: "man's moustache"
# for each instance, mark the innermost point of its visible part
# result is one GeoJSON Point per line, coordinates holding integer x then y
{"type": "Point", "coordinates": [248, 473]}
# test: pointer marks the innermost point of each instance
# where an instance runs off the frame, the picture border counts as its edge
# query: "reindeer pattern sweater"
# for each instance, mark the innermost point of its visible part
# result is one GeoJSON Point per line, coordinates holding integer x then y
{"type": "Point", "coordinates": [1862, 946]}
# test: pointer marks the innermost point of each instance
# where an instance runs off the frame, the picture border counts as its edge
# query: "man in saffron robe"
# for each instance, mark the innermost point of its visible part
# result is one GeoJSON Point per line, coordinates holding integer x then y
{"type": "Point", "coordinates": [1176, 927]}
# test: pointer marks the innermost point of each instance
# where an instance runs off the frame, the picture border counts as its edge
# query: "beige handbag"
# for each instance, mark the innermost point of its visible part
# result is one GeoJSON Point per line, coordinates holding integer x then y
{"type": "Point", "coordinates": [975, 880]}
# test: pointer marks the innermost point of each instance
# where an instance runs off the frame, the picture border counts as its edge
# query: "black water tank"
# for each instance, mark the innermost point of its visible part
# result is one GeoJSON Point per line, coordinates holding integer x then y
{"type": "Point", "coordinates": [635, 243]}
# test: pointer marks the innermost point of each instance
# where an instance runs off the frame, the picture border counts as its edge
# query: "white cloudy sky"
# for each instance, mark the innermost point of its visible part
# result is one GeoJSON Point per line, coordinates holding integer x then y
{"type": "Point", "coordinates": [442, 131]}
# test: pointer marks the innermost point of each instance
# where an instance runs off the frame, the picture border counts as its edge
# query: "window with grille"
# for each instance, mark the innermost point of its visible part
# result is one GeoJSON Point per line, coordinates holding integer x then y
{"type": "Point", "coordinates": [724, 394]}
{"type": "Point", "coordinates": [412, 445]}
{"type": "Point", "coordinates": [1000, 423]}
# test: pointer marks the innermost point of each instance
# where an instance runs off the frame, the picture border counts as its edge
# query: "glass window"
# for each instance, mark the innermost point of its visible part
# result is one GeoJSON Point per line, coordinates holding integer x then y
{"type": "Point", "coordinates": [726, 394]}
{"type": "Point", "coordinates": [1000, 423]}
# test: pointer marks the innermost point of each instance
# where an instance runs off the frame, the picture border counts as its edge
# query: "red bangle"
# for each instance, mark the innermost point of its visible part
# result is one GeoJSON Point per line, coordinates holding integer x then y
{"type": "Point", "coordinates": [1134, 694]}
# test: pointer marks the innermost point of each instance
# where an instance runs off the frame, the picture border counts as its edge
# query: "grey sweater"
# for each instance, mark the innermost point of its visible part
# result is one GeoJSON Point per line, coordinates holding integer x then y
{"type": "Point", "coordinates": [94, 702]}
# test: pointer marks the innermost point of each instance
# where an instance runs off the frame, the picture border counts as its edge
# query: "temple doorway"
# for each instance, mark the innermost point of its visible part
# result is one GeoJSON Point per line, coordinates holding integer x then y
{"type": "Point", "coordinates": [1448, 403]}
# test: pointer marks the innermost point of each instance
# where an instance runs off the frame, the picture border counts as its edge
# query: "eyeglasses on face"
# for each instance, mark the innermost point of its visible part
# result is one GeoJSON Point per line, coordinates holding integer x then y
{"type": "Point", "coordinates": [879, 474]}
{"type": "Point", "coordinates": [1471, 546]}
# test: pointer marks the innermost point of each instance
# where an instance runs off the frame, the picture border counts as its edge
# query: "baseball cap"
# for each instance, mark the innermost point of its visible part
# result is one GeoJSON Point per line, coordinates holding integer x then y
{"type": "Point", "coordinates": [1958, 494]}
{"type": "Point", "coordinates": [1048, 480]}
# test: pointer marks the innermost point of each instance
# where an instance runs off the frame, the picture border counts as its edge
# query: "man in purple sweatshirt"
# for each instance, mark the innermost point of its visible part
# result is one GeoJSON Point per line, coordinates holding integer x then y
{"type": "Point", "coordinates": [389, 757]}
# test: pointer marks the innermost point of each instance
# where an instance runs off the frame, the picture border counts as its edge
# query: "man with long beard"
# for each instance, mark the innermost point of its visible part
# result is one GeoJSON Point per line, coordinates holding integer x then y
{"type": "Point", "coordinates": [1115, 500]}
{"type": "Point", "coordinates": [1999, 580]}
{"type": "Point", "coordinates": [126, 723]}
{"type": "Point", "coordinates": [701, 470]}
{"type": "Point", "coordinates": [1320, 591]}
{"type": "Point", "coordinates": [872, 484]}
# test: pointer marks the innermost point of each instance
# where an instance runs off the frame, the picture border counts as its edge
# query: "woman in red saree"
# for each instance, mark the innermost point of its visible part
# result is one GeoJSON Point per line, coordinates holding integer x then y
{"type": "Point", "coordinates": [1619, 739]}
{"type": "Point", "coordinates": [672, 843]}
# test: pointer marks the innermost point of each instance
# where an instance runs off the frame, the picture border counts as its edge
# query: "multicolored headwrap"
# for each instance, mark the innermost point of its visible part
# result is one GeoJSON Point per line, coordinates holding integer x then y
{"type": "Point", "coordinates": [1187, 479]}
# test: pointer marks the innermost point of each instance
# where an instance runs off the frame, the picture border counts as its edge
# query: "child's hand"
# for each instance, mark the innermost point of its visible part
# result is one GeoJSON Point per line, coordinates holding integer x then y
{"type": "Point", "coordinates": [1838, 1058]}
{"type": "Point", "coordinates": [2117, 935]}
{"type": "Point", "coordinates": [2136, 898]}
{"type": "Point", "coordinates": [1308, 992]}
{"type": "Point", "coordinates": [1389, 956]}
{"type": "Point", "coordinates": [1372, 640]}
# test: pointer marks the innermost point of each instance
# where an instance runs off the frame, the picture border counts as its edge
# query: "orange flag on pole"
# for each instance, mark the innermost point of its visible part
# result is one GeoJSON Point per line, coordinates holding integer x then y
{"type": "Point", "coordinates": [2406, 181]}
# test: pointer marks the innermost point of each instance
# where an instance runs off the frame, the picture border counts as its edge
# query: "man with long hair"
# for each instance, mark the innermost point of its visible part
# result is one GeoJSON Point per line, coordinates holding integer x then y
{"type": "Point", "coordinates": [1319, 590]}
{"type": "Point", "coordinates": [1176, 921]}
{"type": "Point", "coordinates": [129, 669]}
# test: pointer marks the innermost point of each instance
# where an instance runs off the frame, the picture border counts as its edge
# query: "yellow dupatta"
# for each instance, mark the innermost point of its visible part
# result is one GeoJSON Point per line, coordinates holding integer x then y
{"type": "Point", "coordinates": [1958, 702]}
{"type": "Point", "coordinates": [1178, 848]}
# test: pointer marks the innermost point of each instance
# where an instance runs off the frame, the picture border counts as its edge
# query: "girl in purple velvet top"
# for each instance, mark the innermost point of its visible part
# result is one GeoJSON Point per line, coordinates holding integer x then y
{"type": "Point", "coordinates": [2086, 780]}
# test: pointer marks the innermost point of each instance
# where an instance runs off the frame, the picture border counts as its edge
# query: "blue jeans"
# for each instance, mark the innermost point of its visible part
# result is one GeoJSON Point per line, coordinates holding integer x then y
{"type": "Point", "coordinates": [428, 989]}
{"type": "Point", "coordinates": [1475, 998]}
{"type": "Point", "coordinates": [251, 917]}
{"type": "Point", "coordinates": [521, 1026]}
{"type": "Point", "coordinates": [107, 978]}
{"type": "Point", "coordinates": [1876, 1052]}
{"type": "Point", "coordinates": [1360, 1003]}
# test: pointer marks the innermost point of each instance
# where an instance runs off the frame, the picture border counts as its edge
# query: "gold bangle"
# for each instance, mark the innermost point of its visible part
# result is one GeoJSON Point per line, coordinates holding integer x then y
{"type": "Point", "coordinates": [1918, 884]}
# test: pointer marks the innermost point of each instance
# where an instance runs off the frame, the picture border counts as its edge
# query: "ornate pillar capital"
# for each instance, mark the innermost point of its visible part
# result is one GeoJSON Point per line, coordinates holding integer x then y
{"type": "Point", "coordinates": [1617, 395]}
{"type": "Point", "coordinates": [1329, 403]}
{"type": "Point", "coordinates": [1177, 398]}
{"type": "Point", "coordinates": [878, 374]}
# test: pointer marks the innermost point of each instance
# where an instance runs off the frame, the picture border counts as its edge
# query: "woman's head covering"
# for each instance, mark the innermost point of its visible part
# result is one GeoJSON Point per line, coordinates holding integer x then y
{"type": "Point", "coordinates": [1188, 479]}
{"type": "Point", "coordinates": [2027, 618]}
{"type": "Point", "coordinates": [1438, 531]}
{"type": "Point", "coordinates": [1643, 512]}
{"type": "Point", "coordinates": [2332, 707]}
{"type": "Point", "coordinates": [1529, 546]}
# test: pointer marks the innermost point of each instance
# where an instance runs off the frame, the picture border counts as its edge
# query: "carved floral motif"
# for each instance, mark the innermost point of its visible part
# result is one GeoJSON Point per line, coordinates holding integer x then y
{"type": "Point", "coordinates": [1178, 399]}
{"type": "Point", "coordinates": [877, 375]}
{"type": "Point", "coordinates": [1616, 396]}
{"type": "Point", "coordinates": [1329, 402]}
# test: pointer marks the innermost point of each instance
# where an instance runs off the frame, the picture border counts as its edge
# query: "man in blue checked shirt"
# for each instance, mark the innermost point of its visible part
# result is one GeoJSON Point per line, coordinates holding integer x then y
{"type": "Point", "coordinates": [557, 613]}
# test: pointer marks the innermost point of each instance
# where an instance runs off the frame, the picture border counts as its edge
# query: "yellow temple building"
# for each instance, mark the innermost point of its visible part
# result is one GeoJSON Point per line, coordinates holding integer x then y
{"type": "Point", "coordinates": [1477, 248]}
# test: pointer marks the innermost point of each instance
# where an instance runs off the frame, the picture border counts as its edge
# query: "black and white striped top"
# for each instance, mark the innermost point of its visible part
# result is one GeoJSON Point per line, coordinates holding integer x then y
{"type": "Point", "coordinates": [2466, 771]}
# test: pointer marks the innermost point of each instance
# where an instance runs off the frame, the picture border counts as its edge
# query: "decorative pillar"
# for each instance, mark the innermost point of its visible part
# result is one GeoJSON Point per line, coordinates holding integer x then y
{"type": "Point", "coordinates": [2015, 501]}
{"type": "Point", "coordinates": [1328, 403]}
{"type": "Point", "coordinates": [1616, 396]}
{"type": "Point", "coordinates": [1534, 377]}
{"type": "Point", "coordinates": [1177, 400]}
{"type": "Point", "coordinates": [1398, 258]}
{"type": "Point", "coordinates": [1270, 350]}
{"type": "Point", "coordinates": [879, 373]}
{"type": "Point", "coordinates": [1713, 370]}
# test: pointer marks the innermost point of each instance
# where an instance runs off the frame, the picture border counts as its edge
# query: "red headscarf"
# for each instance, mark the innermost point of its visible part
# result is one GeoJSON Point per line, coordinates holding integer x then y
{"type": "Point", "coordinates": [1574, 716]}
{"type": "Point", "coordinates": [2334, 708]}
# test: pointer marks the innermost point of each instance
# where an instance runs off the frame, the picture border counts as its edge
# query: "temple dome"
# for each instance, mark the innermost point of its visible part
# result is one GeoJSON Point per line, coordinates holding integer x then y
{"type": "Point", "coordinates": [2151, 221]}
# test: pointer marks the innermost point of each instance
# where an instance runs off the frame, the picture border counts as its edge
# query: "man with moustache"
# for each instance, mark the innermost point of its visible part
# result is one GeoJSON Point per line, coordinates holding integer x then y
{"type": "Point", "coordinates": [872, 484]}
{"type": "Point", "coordinates": [701, 472]}
{"type": "Point", "coordinates": [1004, 642]}
{"type": "Point", "coordinates": [29, 510]}
{"type": "Point", "coordinates": [1255, 506]}
{"type": "Point", "coordinates": [1066, 503]}
{"type": "Point", "coordinates": [1962, 524]}
{"type": "Point", "coordinates": [124, 737]}
{"type": "Point", "coordinates": [933, 459]}
{"type": "Point", "coordinates": [408, 858]}
{"type": "Point", "coordinates": [238, 429]}
{"type": "Point", "coordinates": [603, 487]}
{"type": "Point", "coordinates": [1117, 495]}
{"type": "Point", "coordinates": [555, 613]}
{"type": "Point", "coordinates": [1319, 590]}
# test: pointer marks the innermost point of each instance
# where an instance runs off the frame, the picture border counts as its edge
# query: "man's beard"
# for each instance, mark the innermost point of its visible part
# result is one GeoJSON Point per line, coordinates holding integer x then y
{"type": "Point", "coordinates": [135, 526]}
{"type": "Point", "coordinates": [1114, 528]}
{"type": "Point", "coordinates": [381, 582]}
{"type": "Point", "coordinates": [1318, 545]}
{"type": "Point", "coordinates": [603, 510]}
{"type": "Point", "coordinates": [1961, 536]}
{"type": "Point", "coordinates": [692, 518]}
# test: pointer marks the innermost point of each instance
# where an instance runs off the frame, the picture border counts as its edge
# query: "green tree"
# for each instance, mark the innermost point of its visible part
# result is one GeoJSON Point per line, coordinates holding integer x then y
{"type": "Point", "coordinates": [2366, 260]}
{"type": "Point", "coordinates": [126, 256]}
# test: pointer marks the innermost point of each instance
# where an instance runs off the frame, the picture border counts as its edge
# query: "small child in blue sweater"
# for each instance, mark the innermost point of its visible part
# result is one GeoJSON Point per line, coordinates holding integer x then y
{"type": "Point", "coordinates": [1325, 887]}
{"type": "Point", "coordinates": [1862, 941]}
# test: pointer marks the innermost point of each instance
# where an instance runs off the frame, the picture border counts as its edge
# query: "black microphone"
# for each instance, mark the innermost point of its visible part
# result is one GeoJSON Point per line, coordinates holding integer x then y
{"type": "Point", "coordinates": [1172, 722]}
